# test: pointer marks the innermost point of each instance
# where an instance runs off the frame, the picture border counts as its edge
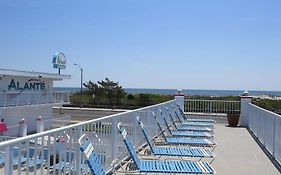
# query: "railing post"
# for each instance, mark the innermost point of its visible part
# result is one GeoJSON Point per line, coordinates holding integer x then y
{"type": "Point", "coordinates": [78, 134]}
{"type": "Point", "coordinates": [211, 106]}
{"type": "Point", "coordinates": [275, 141]}
{"type": "Point", "coordinates": [23, 127]}
{"type": "Point", "coordinates": [39, 125]}
{"type": "Point", "coordinates": [113, 138]}
{"type": "Point", "coordinates": [135, 123]}
{"type": "Point", "coordinates": [179, 96]}
{"type": "Point", "coordinates": [244, 114]}
{"type": "Point", "coordinates": [148, 120]}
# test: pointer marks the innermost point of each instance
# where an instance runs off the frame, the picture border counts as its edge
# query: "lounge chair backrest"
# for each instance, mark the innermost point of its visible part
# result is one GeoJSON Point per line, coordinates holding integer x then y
{"type": "Point", "coordinates": [176, 112]}
{"type": "Point", "coordinates": [129, 145]}
{"type": "Point", "coordinates": [172, 116]}
{"type": "Point", "coordinates": [178, 117]}
{"type": "Point", "coordinates": [144, 131]}
{"type": "Point", "coordinates": [182, 113]}
{"type": "Point", "coordinates": [167, 125]}
{"type": "Point", "coordinates": [90, 156]}
{"type": "Point", "coordinates": [172, 119]}
{"type": "Point", "coordinates": [158, 124]}
{"type": "Point", "coordinates": [42, 153]}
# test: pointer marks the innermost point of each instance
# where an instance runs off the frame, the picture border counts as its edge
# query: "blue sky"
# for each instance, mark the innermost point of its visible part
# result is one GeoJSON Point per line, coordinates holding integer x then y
{"type": "Point", "coordinates": [188, 44]}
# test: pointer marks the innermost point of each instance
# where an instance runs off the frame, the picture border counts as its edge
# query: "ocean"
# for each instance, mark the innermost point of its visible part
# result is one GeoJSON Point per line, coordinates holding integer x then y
{"type": "Point", "coordinates": [185, 91]}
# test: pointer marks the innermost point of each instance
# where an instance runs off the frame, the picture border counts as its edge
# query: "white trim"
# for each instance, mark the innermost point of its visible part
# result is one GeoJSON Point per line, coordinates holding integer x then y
{"type": "Point", "coordinates": [11, 72]}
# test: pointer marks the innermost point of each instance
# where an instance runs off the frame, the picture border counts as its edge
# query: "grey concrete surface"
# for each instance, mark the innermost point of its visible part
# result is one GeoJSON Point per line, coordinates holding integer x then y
{"type": "Point", "coordinates": [237, 153]}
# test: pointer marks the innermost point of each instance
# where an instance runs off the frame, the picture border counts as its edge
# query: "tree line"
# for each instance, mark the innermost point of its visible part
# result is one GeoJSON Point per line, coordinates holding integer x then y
{"type": "Point", "coordinates": [109, 94]}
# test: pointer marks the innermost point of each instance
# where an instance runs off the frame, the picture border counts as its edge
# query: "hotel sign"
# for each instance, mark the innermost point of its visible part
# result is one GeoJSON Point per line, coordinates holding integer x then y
{"type": "Point", "coordinates": [59, 61]}
{"type": "Point", "coordinates": [31, 84]}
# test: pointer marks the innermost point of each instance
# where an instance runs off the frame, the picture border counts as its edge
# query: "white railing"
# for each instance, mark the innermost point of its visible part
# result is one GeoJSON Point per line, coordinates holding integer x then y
{"type": "Point", "coordinates": [5, 138]}
{"type": "Point", "coordinates": [32, 98]}
{"type": "Point", "coordinates": [13, 131]}
{"type": "Point", "coordinates": [266, 126]}
{"type": "Point", "coordinates": [57, 122]}
{"type": "Point", "coordinates": [60, 144]}
{"type": "Point", "coordinates": [212, 106]}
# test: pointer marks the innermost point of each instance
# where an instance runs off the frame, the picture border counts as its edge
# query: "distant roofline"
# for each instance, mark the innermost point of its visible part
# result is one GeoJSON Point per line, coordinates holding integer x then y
{"type": "Point", "coordinates": [11, 72]}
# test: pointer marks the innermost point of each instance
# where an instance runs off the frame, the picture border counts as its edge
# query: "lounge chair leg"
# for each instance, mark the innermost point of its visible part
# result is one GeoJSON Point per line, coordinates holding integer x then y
{"type": "Point", "coordinates": [212, 160]}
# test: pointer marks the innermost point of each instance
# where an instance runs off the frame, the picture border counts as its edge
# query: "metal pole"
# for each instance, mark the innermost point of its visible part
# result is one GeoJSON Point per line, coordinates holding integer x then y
{"type": "Point", "coordinates": [81, 83]}
{"type": "Point", "coordinates": [81, 80]}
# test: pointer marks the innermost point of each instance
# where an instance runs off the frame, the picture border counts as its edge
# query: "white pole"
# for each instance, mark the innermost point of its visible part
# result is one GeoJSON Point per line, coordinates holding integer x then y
{"type": "Point", "coordinates": [39, 124]}
{"type": "Point", "coordinates": [244, 116]}
{"type": "Point", "coordinates": [179, 96]}
{"type": "Point", "coordinates": [23, 127]}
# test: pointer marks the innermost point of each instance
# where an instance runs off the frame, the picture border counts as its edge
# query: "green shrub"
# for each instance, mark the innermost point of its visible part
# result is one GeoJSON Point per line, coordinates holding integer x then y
{"type": "Point", "coordinates": [77, 99]}
{"type": "Point", "coordinates": [271, 105]}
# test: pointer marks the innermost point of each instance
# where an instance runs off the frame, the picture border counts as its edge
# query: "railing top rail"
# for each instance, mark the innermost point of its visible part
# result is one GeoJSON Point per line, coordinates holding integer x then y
{"type": "Point", "coordinates": [265, 110]}
{"type": "Point", "coordinates": [233, 101]}
{"type": "Point", "coordinates": [42, 134]}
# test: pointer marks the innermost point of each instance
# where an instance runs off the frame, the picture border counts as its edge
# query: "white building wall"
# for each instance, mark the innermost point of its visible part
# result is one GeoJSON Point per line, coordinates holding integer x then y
{"type": "Point", "coordinates": [26, 95]}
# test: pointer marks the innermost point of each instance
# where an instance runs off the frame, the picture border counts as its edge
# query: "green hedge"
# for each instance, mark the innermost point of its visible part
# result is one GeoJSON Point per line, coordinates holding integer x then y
{"type": "Point", "coordinates": [271, 105]}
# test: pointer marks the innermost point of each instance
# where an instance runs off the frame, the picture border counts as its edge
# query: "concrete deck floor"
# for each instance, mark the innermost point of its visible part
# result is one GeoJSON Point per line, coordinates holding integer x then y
{"type": "Point", "coordinates": [238, 153]}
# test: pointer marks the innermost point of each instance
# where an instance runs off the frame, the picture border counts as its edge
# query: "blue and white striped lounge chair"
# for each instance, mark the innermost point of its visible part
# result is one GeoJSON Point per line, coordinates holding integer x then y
{"type": "Point", "coordinates": [90, 156]}
{"type": "Point", "coordinates": [184, 140]}
{"type": "Point", "coordinates": [33, 163]}
{"type": "Point", "coordinates": [67, 164]}
{"type": "Point", "coordinates": [164, 166]}
{"type": "Point", "coordinates": [194, 128]}
{"type": "Point", "coordinates": [184, 128]}
{"type": "Point", "coordinates": [178, 133]}
{"type": "Point", "coordinates": [2, 159]}
{"type": "Point", "coordinates": [18, 159]}
{"type": "Point", "coordinates": [60, 167]}
{"type": "Point", "coordinates": [36, 159]}
{"type": "Point", "coordinates": [191, 128]}
{"type": "Point", "coordinates": [192, 123]}
{"type": "Point", "coordinates": [174, 151]}
{"type": "Point", "coordinates": [187, 119]}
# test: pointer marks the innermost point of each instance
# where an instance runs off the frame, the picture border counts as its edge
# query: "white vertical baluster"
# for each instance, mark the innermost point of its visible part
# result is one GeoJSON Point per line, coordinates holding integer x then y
{"type": "Point", "coordinates": [9, 160]}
